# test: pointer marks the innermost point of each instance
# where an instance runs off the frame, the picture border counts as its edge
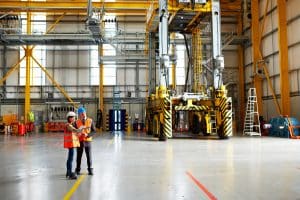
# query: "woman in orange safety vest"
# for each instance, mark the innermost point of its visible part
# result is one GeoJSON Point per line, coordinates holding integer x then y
{"type": "Point", "coordinates": [71, 141]}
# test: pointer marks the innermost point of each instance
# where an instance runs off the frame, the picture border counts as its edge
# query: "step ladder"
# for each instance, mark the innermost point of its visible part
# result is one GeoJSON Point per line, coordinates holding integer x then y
{"type": "Point", "coordinates": [251, 123]}
{"type": "Point", "coordinates": [213, 122]}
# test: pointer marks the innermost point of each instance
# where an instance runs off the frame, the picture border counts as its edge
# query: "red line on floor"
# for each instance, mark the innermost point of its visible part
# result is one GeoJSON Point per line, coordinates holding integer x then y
{"type": "Point", "coordinates": [202, 187]}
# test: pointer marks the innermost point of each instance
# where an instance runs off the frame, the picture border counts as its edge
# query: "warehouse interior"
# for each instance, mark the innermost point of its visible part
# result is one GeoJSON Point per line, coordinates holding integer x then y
{"type": "Point", "coordinates": [192, 99]}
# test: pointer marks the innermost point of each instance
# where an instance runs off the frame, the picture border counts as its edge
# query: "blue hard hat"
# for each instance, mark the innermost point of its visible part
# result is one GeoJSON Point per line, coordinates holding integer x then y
{"type": "Point", "coordinates": [81, 110]}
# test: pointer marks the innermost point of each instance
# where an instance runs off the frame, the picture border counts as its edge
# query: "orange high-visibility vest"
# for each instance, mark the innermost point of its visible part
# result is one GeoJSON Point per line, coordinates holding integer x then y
{"type": "Point", "coordinates": [87, 130]}
{"type": "Point", "coordinates": [71, 140]}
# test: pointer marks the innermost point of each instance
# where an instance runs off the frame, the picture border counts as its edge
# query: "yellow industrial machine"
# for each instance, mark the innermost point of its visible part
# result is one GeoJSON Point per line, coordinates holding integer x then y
{"type": "Point", "coordinates": [208, 109]}
{"type": "Point", "coordinates": [159, 115]}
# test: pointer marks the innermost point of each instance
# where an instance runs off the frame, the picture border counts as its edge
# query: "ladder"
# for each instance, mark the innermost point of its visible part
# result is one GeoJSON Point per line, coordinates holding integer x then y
{"type": "Point", "coordinates": [251, 123]}
{"type": "Point", "coordinates": [213, 122]}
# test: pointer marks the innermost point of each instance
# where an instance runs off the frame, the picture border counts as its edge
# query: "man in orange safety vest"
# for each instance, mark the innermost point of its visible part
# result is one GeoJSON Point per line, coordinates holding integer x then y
{"type": "Point", "coordinates": [88, 129]}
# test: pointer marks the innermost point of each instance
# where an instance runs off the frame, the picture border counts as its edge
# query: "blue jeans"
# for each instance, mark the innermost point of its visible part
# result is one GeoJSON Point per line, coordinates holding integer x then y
{"type": "Point", "coordinates": [70, 161]}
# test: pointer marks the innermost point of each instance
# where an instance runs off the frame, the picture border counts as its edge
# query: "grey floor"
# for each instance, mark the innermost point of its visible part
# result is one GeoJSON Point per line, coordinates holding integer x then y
{"type": "Point", "coordinates": [139, 167]}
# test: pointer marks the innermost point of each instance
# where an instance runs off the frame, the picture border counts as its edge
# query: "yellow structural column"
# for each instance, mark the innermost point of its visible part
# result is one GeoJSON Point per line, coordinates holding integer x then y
{"type": "Point", "coordinates": [241, 72]}
{"type": "Point", "coordinates": [28, 52]}
{"type": "Point", "coordinates": [101, 89]}
{"type": "Point", "coordinates": [283, 58]}
{"type": "Point", "coordinates": [256, 52]}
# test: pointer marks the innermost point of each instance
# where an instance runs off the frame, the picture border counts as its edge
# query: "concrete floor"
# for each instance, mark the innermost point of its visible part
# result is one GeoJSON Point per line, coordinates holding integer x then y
{"type": "Point", "coordinates": [138, 167]}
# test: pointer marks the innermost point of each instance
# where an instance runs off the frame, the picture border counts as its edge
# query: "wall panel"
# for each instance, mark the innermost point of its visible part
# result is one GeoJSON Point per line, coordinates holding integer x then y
{"type": "Point", "coordinates": [294, 84]}
{"type": "Point", "coordinates": [295, 107]}
{"type": "Point", "coordinates": [294, 61]}
{"type": "Point", "coordinates": [292, 8]}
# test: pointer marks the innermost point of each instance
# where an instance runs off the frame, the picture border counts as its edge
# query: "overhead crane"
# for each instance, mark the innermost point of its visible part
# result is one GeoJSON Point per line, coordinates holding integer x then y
{"type": "Point", "coordinates": [208, 107]}
{"type": "Point", "coordinates": [196, 8]}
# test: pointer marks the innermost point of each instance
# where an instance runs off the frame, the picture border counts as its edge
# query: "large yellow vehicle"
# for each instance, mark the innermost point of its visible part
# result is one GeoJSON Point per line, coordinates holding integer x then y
{"type": "Point", "coordinates": [207, 106]}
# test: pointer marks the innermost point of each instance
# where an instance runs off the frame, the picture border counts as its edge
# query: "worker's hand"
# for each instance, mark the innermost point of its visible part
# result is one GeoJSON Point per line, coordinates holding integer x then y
{"type": "Point", "coordinates": [79, 130]}
{"type": "Point", "coordinates": [81, 134]}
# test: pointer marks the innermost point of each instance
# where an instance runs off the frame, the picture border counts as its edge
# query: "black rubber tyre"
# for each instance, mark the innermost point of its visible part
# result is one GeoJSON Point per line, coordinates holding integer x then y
{"type": "Point", "coordinates": [203, 127]}
{"type": "Point", "coordinates": [149, 129]}
{"type": "Point", "coordinates": [155, 126]}
{"type": "Point", "coordinates": [196, 125]}
{"type": "Point", "coordinates": [221, 133]}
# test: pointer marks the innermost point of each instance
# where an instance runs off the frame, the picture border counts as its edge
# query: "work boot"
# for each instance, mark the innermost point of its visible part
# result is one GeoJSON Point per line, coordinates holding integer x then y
{"type": "Point", "coordinates": [77, 171]}
{"type": "Point", "coordinates": [72, 176]}
{"type": "Point", "coordinates": [90, 170]}
{"type": "Point", "coordinates": [67, 174]}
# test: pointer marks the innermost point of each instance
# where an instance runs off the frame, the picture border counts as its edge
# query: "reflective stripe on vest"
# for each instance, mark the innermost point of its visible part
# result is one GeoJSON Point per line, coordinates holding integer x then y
{"type": "Point", "coordinates": [88, 125]}
{"type": "Point", "coordinates": [70, 139]}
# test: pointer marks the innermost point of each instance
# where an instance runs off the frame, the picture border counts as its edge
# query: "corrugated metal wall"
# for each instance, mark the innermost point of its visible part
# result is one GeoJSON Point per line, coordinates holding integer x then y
{"type": "Point", "coordinates": [270, 54]}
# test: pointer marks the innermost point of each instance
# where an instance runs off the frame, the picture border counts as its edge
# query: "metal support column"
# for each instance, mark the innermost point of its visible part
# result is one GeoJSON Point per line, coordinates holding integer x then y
{"type": "Point", "coordinates": [198, 82]}
{"type": "Point", "coordinates": [12, 69]}
{"type": "Point", "coordinates": [283, 58]}
{"type": "Point", "coordinates": [163, 43]}
{"type": "Point", "coordinates": [218, 59]}
{"type": "Point", "coordinates": [4, 70]}
{"type": "Point", "coordinates": [4, 61]}
{"type": "Point", "coordinates": [152, 64]}
{"type": "Point", "coordinates": [164, 75]}
{"type": "Point", "coordinates": [174, 60]}
{"type": "Point", "coordinates": [241, 74]}
{"type": "Point", "coordinates": [255, 33]}
{"type": "Point", "coordinates": [28, 53]}
{"type": "Point", "coordinates": [137, 78]}
{"type": "Point", "coordinates": [101, 76]}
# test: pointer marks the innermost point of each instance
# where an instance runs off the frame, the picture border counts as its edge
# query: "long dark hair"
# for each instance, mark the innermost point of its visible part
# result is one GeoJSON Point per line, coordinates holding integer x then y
{"type": "Point", "coordinates": [69, 118]}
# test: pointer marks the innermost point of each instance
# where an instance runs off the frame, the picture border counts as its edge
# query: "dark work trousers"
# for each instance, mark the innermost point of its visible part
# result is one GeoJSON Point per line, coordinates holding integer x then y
{"type": "Point", "coordinates": [87, 146]}
{"type": "Point", "coordinates": [70, 161]}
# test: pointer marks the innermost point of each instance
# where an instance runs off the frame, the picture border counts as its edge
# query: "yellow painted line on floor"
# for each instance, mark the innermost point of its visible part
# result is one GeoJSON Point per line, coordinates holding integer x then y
{"type": "Point", "coordinates": [74, 188]}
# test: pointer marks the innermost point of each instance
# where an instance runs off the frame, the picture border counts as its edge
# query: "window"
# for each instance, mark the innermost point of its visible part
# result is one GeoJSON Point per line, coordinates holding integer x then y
{"type": "Point", "coordinates": [94, 66]}
{"type": "Point", "coordinates": [109, 75]}
{"type": "Point", "coordinates": [180, 66]}
{"type": "Point", "coordinates": [110, 25]}
{"type": "Point", "coordinates": [39, 52]}
{"type": "Point", "coordinates": [109, 68]}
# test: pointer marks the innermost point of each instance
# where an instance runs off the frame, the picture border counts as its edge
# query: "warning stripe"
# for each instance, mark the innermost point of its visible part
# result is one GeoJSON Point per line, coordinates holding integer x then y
{"type": "Point", "coordinates": [167, 129]}
{"type": "Point", "coordinates": [192, 108]}
{"type": "Point", "coordinates": [227, 116]}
